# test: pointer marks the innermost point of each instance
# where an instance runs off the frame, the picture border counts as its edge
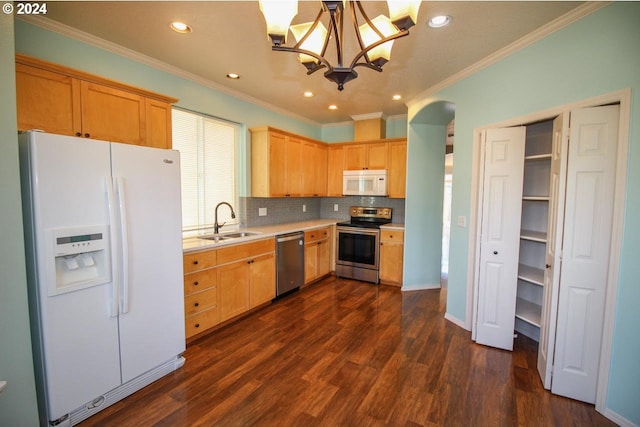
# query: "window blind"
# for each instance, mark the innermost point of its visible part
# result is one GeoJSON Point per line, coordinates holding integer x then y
{"type": "Point", "coordinates": [208, 159]}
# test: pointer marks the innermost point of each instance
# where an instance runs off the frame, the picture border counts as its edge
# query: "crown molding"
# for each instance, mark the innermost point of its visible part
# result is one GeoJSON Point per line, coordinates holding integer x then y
{"type": "Point", "coordinates": [397, 117]}
{"type": "Point", "coordinates": [368, 116]}
{"type": "Point", "coordinates": [551, 27]}
{"type": "Point", "coordinates": [90, 39]}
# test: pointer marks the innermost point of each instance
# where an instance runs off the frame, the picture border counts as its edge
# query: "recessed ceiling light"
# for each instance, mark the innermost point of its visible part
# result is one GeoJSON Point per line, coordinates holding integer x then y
{"type": "Point", "coordinates": [233, 76]}
{"type": "Point", "coordinates": [396, 97]}
{"type": "Point", "coordinates": [308, 94]}
{"type": "Point", "coordinates": [439, 21]}
{"type": "Point", "coordinates": [333, 107]}
{"type": "Point", "coordinates": [180, 27]}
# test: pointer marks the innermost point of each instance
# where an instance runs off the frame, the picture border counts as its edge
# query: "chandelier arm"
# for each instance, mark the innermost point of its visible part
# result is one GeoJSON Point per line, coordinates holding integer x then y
{"type": "Point", "coordinates": [367, 20]}
{"type": "Point", "coordinates": [323, 61]}
{"type": "Point", "coordinates": [376, 44]}
{"type": "Point", "coordinates": [309, 31]}
{"type": "Point", "coordinates": [335, 24]}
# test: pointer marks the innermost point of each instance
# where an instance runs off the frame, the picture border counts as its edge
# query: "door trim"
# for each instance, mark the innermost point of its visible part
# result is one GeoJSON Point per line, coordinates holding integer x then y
{"type": "Point", "coordinates": [623, 97]}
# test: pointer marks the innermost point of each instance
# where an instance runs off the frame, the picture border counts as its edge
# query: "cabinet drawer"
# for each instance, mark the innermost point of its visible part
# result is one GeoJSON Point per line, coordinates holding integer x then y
{"type": "Point", "coordinates": [392, 236]}
{"type": "Point", "coordinates": [318, 234]}
{"type": "Point", "coordinates": [201, 301]}
{"type": "Point", "coordinates": [199, 281]}
{"type": "Point", "coordinates": [245, 250]}
{"type": "Point", "coordinates": [201, 321]}
{"type": "Point", "coordinates": [199, 261]}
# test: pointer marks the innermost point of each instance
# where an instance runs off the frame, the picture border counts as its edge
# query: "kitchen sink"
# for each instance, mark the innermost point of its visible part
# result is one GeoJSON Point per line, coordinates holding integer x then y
{"type": "Point", "coordinates": [229, 236]}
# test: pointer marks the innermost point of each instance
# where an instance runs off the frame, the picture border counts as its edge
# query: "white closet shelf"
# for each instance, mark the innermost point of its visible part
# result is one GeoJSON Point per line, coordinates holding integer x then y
{"type": "Point", "coordinates": [531, 274]}
{"type": "Point", "coordinates": [545, 156]}
{"type": "Point", "coordinates": [535, 236]}
{"type": "Point", "coordinates": [528, 311]}
{"type": "Point", "coordinates": [536, 198]}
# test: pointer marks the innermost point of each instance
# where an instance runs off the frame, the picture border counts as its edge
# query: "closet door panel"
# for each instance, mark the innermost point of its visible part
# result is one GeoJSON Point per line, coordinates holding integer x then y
{"type": "Point", "coordinates": [551, 279]}
{"type": "Point", "coordinates": [587, 231]}
{"type": "Point", "coordinates": [500, 236]}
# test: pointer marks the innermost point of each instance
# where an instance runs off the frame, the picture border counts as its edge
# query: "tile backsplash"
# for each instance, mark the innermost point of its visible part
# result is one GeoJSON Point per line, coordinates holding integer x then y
{"type": "Point", "coordinates": [292, 209]}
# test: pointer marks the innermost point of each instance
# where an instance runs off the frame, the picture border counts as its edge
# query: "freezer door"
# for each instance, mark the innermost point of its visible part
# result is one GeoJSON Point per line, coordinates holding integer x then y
{"type": "Point", "coordinates": [75, 335]}
{"type": "Point", "coordinates": [147, 184]}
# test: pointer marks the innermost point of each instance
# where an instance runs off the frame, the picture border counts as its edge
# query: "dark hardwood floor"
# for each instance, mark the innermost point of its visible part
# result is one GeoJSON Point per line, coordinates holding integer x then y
{"type": "Point", "coordinates": [346, 353]}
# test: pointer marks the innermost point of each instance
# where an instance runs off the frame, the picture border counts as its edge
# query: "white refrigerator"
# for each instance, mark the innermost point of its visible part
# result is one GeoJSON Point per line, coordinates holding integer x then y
{"type": "Point", "coordinates": [104, 259]}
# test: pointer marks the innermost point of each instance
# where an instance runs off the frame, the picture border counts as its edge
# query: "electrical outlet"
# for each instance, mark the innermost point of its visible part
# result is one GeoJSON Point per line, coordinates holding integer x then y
{"type": "Point", "coordinates": [304, 208]}
{"type": "Point", "coordinates": [462, 221]}
{"type": "Point", "coordinates": [335, 207]}
{"type": "Point", "coordinates": [262, 211]}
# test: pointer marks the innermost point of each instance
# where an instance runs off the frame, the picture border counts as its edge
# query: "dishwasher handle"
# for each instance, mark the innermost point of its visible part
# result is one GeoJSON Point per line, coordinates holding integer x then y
{"type": "Point", "coordinates": [289, 237]}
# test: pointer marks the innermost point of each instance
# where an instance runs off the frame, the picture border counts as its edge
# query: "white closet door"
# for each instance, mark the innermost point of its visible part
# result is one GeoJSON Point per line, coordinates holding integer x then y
{"type": "Point", "coordinates": [557, 183]}
{"type": "Point", "coordinates": [585, 260]}
{"type": "Point", "coordinates": [500, 236]}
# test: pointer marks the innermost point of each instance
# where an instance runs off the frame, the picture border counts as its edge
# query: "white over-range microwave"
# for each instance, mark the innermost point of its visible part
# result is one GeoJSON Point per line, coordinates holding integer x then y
{"type": "Point", "coordinates": [364, 183]}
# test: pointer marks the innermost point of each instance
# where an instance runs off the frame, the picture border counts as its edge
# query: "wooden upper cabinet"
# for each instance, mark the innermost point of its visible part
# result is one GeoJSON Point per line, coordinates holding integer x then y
{"type": "Point", "coordinates": [112, 114]}
{"type": "Point", "coordinates": [276, 165]}
{"type": "Point", "coordinates": [377, 155]}
{"type": "Point", "coordinates": [287, 165]}
{"type": "Point", "coordinates": [65, 101]}
{"type": "Point", "coordinates": [314, 169]}
{"type": "Point", "coordinates": [397, 172]}
{"type": "Point", "coordinates": [280, 164]}
{"type": "Point", "coordinates": [366, 156]}
{"type": "Point", "coordinates": [47, 101]}
{"type": "Point", "coordinates": [335, 168]}
{"type": "Point", "coordinates": [294, 167]}
{"type": "Point", "coordinates": [158, 123]}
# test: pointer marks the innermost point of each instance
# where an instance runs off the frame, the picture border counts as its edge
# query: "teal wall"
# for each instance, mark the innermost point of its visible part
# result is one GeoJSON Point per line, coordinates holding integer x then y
{"type": "Point", "coordinates": [423, 206]}
{"type": "Point", "coordinates": [598, 54]}
{"type": "Point", "coordinates": [18, 401]}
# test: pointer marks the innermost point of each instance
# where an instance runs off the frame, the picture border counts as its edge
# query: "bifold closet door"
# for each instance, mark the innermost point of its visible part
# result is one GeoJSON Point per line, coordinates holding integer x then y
{"type": "Point", "coordinates": [553, 247]}
{"type": "Point", "coordinates": [591, 176]}
{"type": "Point", "coordinates": [500, 235]}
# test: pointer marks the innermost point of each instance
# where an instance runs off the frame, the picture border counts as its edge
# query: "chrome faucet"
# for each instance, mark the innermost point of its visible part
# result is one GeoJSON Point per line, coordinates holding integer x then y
{"type": "Point", "coordinates": [216, 226]}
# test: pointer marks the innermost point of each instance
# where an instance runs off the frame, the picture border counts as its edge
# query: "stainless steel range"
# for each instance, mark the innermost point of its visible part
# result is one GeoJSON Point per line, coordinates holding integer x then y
{"type": "Point", "coordinates": [358, 247]}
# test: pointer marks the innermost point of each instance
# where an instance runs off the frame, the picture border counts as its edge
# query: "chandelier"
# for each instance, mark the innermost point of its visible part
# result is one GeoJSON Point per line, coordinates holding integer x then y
{"type": "Point", "coordinates": [374, 36]}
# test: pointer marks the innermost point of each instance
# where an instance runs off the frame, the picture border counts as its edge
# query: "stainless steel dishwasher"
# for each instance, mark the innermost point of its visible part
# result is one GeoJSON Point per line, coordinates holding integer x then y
{"type": "Point", "coordinates": [289, 261]}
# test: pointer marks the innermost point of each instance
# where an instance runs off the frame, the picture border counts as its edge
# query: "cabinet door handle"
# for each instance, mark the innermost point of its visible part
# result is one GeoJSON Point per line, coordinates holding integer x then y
{"type": "Point", "coordinates": [495, 252]}
{"type": "Point", "coordinates": [197, 325]}
{"type": "Point", "coordinates": [197, 304]}
{"type": "Point", "coordinates": [547, 266]}
{"type": "Point", "coordinates": [195, 262]}
{"type": "Point", "coordinates": [195, 283]}
{"type": "Point", "coordinates": [319, 243]}
{"type": "Point", "coordinates": [86, 135]}
{"type": "Point", "coordinates": [78, 134]}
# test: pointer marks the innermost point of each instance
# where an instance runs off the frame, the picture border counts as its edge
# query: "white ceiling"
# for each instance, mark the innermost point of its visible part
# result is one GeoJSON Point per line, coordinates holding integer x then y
{"type": "Point", "coordinates": [230, 36]}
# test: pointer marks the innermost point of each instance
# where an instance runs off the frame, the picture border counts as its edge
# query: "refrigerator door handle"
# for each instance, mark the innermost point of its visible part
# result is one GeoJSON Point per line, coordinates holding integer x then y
{"type": "Point", "coordinates": [124, 230]}
{"type": "Point", "coordinates": [115, 277]}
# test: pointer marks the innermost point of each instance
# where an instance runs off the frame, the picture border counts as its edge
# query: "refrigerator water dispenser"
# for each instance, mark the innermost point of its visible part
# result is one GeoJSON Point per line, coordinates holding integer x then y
{"type": "Point", "coordinates": [80, 258]}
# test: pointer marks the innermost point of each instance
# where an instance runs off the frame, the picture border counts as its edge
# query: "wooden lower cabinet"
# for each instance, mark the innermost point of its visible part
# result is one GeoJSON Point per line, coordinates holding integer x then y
{"type": "Point", "coordinates": [262, 280]}
{"type": "Point", "coordinates": [317, 254]}
{"type": "Point", "coordinates": [234, 289]}
{"type": "Point", "coordinates": [221, 284]}
{"type": "Point", "coordinates": [201, 305]}
{"type": "Point", "coordinates": [391, 256]}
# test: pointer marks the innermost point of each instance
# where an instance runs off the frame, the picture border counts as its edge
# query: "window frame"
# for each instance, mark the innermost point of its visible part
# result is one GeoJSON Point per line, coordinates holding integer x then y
{"type": "Point", "coordinates": [204, 227]}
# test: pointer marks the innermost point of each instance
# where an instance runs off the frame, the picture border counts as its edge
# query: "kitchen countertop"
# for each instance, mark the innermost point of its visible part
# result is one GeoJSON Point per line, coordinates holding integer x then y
{"type": "Point", "coordinates": [393, 226]}
{"type": "Point", "coordinates": [192, 244]}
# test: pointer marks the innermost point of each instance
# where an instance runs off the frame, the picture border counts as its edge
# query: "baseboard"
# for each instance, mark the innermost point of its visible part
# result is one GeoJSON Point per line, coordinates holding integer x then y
{"type": "Point", "coordinates": [457, 322]}
{"type": "Point", "coordinates": [618, 419]}
{"type": "Point", "coordinates": [420, 287]}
